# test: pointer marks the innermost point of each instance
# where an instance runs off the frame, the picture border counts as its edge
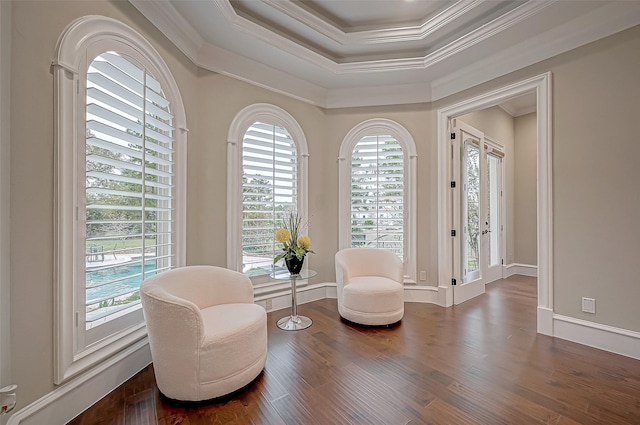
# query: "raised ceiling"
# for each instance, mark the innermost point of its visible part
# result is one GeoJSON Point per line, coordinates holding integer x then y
{"type": "Point", "coordinates": [340, 53]}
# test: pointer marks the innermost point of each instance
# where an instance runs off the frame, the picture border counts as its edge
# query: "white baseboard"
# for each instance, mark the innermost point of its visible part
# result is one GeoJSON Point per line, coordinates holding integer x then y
{"type": "Point", "coordinates": [304, 294]}
{"type": "Point", "coordinates": [67, 401]}
{"type": "Point", "coordinates": [545, 321]}
{"type": "Point", "coordinates": [422, 294]}
{"type": "Point", "coordinates": [521, 269]}
{"type": "Point", "coordinates": [608, 338]}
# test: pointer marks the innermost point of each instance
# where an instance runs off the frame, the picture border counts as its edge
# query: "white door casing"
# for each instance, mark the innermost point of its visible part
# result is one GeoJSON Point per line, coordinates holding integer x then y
{"type": "Point", "coordinates": [541, 86]}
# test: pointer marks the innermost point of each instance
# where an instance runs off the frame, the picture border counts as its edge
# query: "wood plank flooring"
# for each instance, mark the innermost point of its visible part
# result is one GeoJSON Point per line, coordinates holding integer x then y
{"type": "Point", "coordinates": [477, 363]}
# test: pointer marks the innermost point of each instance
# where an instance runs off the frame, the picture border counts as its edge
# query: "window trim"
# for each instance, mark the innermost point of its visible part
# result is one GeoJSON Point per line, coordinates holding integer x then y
{"type": "Point", "coordinates": [70, 65]}
{"type": "Point", "coordinates": [5, 189]}
{"type": "Point", "coordinates": [376, 127]}
{"type": "Point", "coordinates": [268, 114]}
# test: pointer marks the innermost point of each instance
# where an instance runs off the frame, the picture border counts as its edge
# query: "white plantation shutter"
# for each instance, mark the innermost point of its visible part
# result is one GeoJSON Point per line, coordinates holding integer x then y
{"type": "Point", "coordinates": [269, 190]}
{"type": "Point", "coordinates": [377, 194]}
{"type": "Point", "coordinates": [129, 195]}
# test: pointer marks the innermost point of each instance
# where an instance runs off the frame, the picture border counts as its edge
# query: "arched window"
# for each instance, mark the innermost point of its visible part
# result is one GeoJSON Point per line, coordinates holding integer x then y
{"type": "Point", "coordinates": [267, 164]}
{"type": "Point", "coordinates": [377, 190]}
{"type": "Point", "coordinates": [120, 186]}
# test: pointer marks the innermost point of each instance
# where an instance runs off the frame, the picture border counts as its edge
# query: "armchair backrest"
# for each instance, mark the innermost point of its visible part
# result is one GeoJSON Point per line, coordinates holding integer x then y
{"type": "Point", "coordinates": [204, 286]}
{"type": "Point", "coordinates": [356, 262]}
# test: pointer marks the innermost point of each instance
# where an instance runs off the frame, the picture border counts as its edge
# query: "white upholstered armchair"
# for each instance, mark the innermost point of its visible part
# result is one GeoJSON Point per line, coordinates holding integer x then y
{"type": "Point", "coordinates": [207, 336]}
{"type": "Point", "coordinates": [370, 285]}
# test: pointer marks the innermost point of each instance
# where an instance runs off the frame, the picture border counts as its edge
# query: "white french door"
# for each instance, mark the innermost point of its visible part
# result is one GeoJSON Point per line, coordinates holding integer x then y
{"type": "Point", "coordinates": [477, 211]}
{"type": "Point", "coordinates": [494, 207]}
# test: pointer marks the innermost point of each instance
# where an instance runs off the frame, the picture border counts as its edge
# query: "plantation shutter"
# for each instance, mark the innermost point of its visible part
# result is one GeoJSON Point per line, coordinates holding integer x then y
{"type": "Point", "coordinates": [377, 194]}
{"type": "Point", "coordinates": [269, 189]}
{"type": "Point", "coordinates": [129, 185]}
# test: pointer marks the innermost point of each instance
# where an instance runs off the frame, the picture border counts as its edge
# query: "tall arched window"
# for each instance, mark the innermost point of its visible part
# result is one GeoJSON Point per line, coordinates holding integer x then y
{"type": "Point", "coordinates": [267, 170]}
{"type": "Point", "coordinates": [377, 190]}
{"type": "Point", "coordinates": [120, 186]}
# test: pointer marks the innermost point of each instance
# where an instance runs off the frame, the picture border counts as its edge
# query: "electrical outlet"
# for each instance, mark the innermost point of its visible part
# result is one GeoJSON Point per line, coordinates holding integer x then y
{"type": "Point", "coordinates": [269, 304]}
{"type": "Point", "coordinates": [423, 275]}
{"type": "Point", "coordinates": [588, 305]}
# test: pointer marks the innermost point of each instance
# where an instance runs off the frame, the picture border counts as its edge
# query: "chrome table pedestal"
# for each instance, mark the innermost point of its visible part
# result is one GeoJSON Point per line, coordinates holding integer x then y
{"type": "Point", "coordinates": [295, 322]}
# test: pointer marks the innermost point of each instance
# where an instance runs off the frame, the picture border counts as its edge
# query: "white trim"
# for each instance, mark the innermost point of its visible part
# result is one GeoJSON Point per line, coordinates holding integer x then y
{"type": "Point", "coordinates": [372, 127]}
{"type": "Point", "coordinates": [349, 36]}
{"type": "Point", "coordinates": [281, 299]}
{"type": "Point", "coordinates": [422, 294]}
{"type": "Point", "coordinates": [604, 337]}
{"type": "Point", "coordinates": [173, 25]}
{"type": "Point", "coordinates": [541, 85]}
{"type": "Point", "coordinates": [520, 269]}
{"type": "Point", "coordinates": [69, 66]}
{"type": "Point", "coordinates": [333, 65]}
{"type": "Point", "coordinates": [74, 397]}
{"type": "Point", "coordinates": [5, 188]}
{"type": "Point", "coordinates": [305, 294]}
{"type": "Point", "coordinates": [268, 114]}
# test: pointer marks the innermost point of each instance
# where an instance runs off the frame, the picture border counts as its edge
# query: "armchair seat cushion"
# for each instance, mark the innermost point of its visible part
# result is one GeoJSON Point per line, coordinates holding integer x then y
{"type": "Point", "coordinates": [373, 294]}
{"type": "Point", "coordinates": [225, 351]}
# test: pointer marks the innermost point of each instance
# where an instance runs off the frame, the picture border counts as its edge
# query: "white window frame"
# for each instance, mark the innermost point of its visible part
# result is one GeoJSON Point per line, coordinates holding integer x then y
{"type": "Point", "coordinates": [377, 127]}
{"type": "Point", "coordinates": [268, 114]}
{"type": "Point", "coordinates": [5, 211]}
{"type": "Point", "coordinates": [96, 34]}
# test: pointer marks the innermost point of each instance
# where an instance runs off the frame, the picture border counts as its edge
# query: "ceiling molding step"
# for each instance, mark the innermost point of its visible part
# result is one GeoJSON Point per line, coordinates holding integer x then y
{"type": "Point", "coordinates": [492, 28]}
{"type": "Point", "coordinates": [313, 21]}
{"type": "Point", "coordinates": [345, 37]}
{"type": "Point", "coordinates": [273, 38]}
{"type": "Point", "coordinates": [599, 23]}
{"type": "Point", "coordinates": [172, 24]}
{"type": "Point", "coordinates": [241, 68]}
{"type": "Point", "coordinates": [413, 33]}
{"type": "Point", "coordinates": [402, 94]}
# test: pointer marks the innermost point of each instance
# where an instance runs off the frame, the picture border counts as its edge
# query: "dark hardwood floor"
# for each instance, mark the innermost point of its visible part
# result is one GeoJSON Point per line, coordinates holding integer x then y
{"type": "Point", "coordinates": [477, 363]}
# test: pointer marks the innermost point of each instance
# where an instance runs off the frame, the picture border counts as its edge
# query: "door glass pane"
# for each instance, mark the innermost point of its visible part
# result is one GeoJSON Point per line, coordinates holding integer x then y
{"type": "Point", "coordinates": [471, 210]}
{"type": "Point", "coordinates": [493, 209]}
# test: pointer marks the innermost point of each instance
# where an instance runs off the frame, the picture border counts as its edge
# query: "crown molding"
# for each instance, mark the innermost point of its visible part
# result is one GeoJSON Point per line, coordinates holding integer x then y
{"type": "Point", "coordinates": [401, 94]}
{"type": "Point", "coordinates": [255, 73]}
{"type": "Point", "coordinates": [602, 22]}
{"type": "Point", "coordinates": [172, 24]}
{"type": "Point", "coordinates": [412, 63]}
{"type": "Point", "coordinates": [515, 112]}
{"type": "Point", "coordinates": [347, 37]}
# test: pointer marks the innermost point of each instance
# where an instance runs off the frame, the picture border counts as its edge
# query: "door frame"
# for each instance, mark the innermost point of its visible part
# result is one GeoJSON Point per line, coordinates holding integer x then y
{"type": "Point", "coordinates": [541, 86]}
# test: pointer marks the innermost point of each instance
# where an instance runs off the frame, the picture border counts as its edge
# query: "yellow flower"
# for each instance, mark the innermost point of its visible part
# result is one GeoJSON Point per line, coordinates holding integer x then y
{"type": "Point", "coordinates": [304, 242]}
{"type": "Point", "coordinates": [282, 235]}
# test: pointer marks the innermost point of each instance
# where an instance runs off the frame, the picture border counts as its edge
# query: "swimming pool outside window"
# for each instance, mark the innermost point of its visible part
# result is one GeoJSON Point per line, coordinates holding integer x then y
{"type": "Point", "coordinates": [128, 207]}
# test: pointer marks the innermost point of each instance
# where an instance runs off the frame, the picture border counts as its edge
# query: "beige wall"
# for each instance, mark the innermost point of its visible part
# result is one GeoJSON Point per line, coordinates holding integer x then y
{"type": "Point", "coordinates": [220, 100]}
{"type": "Point", "coordinates": [525, 205]}
{"type": "Point", "coordinates": [418, 120]}
{"type": "Point", "coordinates": [596, 174]}
{"type": "Point", "coordinates": [596, 201]}
{"type": "Point", "coordinates": [497, 124]}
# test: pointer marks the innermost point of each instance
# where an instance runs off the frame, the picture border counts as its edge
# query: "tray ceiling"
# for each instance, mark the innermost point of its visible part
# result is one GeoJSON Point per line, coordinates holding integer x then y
{"type": "Point", "coordinates": [337, 53]}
